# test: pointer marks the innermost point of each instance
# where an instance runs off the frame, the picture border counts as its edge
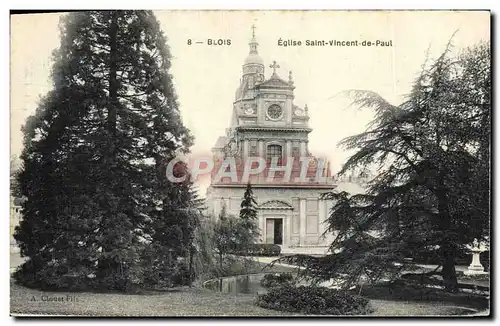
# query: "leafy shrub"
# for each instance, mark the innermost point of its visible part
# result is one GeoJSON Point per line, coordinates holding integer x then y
{"type": "Point", "coordinates": [53, 277]}
{"type": "Point", "coordinates": [181, 276]}
{"type": "Point", "coordinates": [260, 249]}
{"type": "Point", "coordinates": [313, 300]}
{"type": "Point", "coordinates": [484, 257]}
{"type": "Point", "coordinates": [277, 279]}
{"type": "Point", "coordinates": [231, 266]}
{"type": "Point", "coordinates": [238, 266]}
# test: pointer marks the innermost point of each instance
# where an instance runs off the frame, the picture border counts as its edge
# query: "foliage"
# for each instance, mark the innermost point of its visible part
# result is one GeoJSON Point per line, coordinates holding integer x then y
{"type": "Point", "coordinates": [314, 300]}
{"type": "Point", "coordinates": [98, 204]}
{"type": "Point", "coordinates": [431, 190]}
{"type": "Point", "coordinates": [171, 249]}
{"type": "Point", "coordinates": [234, 236]}
{"type": "Point", "coordinates": [248, 215]}
{"type": "Point", "coordinates": [259, 249]}
{"type": "Point", "coordinates": [226, 233]}
{"type": "Point", "coordinates": [276, 279]}
{"type": "Point", "coordinates": [234, 265]}
{"type": "Point", "coordinates": [205, 257]}
{"type": "Point", "coordinates": [207, 262]}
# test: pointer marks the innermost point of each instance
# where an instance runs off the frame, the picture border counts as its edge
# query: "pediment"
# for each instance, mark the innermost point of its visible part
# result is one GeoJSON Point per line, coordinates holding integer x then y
{"type": "Point", "coordinates": [275, 204]}
{"type": "Point", "coordinates": [275, 82]}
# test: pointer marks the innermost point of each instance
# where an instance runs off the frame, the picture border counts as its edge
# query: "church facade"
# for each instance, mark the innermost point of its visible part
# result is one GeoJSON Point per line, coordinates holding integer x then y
{"type": "Point", "coordinates": [266, 124]}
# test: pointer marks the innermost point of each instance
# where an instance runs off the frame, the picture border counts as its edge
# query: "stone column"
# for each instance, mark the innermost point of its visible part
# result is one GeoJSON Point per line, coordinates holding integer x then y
{"type": "Point", "coordinates": [216, 207]}
{"type": "Point", "coordinates": [302, 148]}
{"type": "Point", "coordinates": [328, 206]}
{"type": "Point", "coordinates": [261, 147]}
{"type": "Point", "coordinates": [245, 147]}
{"type": "Point", "coordinates": [288, 148]}
{"type": "Point", "coordinates": [321, 219]}
{"type": "Point", "coordinates": [475, 265]}
{"type": "Point", "coordinates": [288, 229]}
{"type": "Point", "coordinates": [262, 223]}
{"type": "Point", "coordinates": [302, 220]}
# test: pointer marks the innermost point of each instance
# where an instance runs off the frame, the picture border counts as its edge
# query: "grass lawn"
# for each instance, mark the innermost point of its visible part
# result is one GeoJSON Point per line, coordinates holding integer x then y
{"type": "Point", "coordinates": [187, 302]}
{"type": "Point", "coordinates": [395, 299]}
{"type": "Point", "coordinates": [181, 302]}
{"type": "Point", "coordinates": [412, 308]}
{"type": "Point", "coordinates": [178, 302]}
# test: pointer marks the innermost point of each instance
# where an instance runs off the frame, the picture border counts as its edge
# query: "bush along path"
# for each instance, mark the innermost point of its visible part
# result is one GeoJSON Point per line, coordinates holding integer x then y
{"type": "Point", "coordinates": [313, 300]}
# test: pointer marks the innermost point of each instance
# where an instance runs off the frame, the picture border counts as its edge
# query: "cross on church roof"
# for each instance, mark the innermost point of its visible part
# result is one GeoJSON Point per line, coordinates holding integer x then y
{"type": "Point", "coordinates": [253, 30]}
{"type": "Point", "coordinates": [274, 66]}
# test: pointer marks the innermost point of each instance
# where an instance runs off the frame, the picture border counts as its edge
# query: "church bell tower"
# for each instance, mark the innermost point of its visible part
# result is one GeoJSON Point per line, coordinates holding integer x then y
{"type": "Point", "coordinates": [266, 126]}
{"type": "Point", "coordinates": [253, 70]}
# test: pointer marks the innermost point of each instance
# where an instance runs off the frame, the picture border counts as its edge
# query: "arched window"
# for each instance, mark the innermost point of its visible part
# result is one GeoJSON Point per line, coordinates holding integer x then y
{"type": "Point", "coordinates": [274, 151]}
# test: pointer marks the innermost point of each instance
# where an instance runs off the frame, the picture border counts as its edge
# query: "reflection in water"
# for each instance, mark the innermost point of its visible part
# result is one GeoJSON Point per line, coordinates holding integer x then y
{"type": "Point", "coordinates": [237, 284]}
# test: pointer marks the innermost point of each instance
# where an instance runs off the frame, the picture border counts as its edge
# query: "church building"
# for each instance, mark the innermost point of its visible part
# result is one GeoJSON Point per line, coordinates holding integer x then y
{"type": "Point", "coordinates": [266, 123]}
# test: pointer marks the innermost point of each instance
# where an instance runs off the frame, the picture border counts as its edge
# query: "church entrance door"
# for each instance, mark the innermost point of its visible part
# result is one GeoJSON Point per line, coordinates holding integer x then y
{"type": "Point", "coordinates": [274, 230]}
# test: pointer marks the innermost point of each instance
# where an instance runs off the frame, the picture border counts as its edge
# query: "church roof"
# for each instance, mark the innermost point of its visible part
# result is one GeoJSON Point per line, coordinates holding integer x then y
{"type": "Point", "coordinates": [254, 58]}
{"type": "Point", "coordinates": [273, 82]}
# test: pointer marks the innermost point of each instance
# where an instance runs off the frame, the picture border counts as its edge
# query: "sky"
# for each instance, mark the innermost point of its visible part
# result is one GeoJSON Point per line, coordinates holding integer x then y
{"type": "Point", "coordinates": [206, 77]}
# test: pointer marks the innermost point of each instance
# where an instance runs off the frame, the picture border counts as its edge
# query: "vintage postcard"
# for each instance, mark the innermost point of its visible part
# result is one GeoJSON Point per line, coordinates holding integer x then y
{"type": "Point", "coordinates": [250, 163]}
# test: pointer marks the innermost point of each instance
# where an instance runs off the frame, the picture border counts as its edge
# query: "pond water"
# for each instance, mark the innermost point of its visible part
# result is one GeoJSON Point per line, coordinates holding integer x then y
{"type": "Point", "coordinates": [237, 284]}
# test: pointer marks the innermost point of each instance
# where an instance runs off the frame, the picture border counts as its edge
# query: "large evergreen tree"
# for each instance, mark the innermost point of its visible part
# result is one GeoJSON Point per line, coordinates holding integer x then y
{"type": "Point", "coordinates": [95, 153]}
{"type": "Point", "coordinates": [248, 215]}
{"type": "Point", "coordinates": [431, 193]}
{"type": "Point", "coordinates": [173, 232]}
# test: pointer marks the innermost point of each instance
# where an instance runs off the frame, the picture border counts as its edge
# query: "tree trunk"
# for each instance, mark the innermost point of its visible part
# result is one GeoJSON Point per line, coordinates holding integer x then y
{"type": "Point", "coordinates": [448, 248]}
{"type": "Point", "coordinates": [107, 265]}
{"type": "Point", "coordinates": [449, 273]}
{"type": "Point", "coordinates": [220, 271]}
{"type": "Point", "coordinates": [190, 273]}
{"type": "Point", "coordinates": [113, 83]}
